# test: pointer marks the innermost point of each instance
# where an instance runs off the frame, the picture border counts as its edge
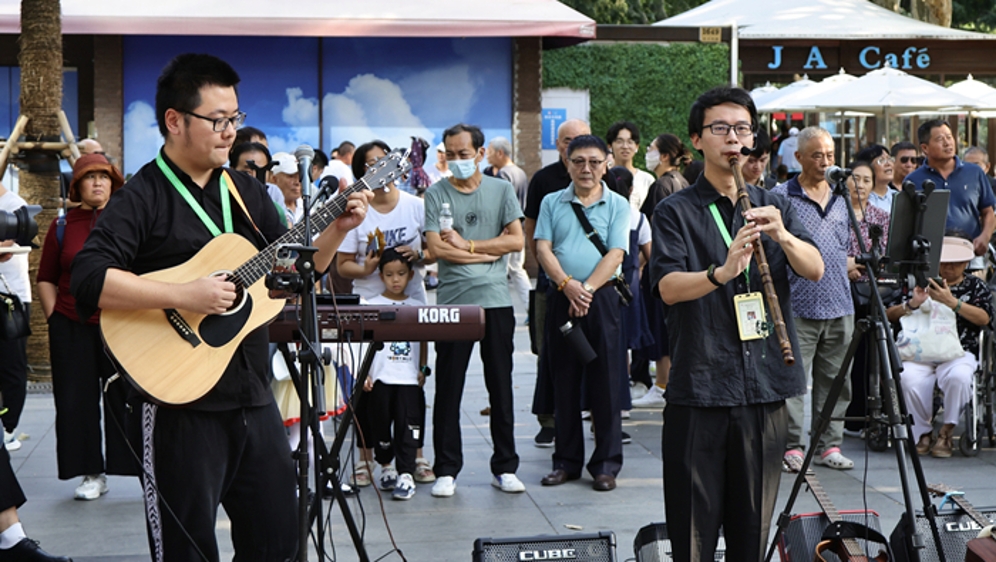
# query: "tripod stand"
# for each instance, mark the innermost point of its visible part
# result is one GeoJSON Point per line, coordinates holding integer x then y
{"type": "Point", "coordinates": [889, 368]}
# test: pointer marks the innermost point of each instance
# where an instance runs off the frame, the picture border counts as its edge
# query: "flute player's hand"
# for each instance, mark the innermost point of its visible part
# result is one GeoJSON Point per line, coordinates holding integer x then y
{"type": "Point", "coordinates": [770, 220]}
{"type": "Point", "coordinates": [739, 254]}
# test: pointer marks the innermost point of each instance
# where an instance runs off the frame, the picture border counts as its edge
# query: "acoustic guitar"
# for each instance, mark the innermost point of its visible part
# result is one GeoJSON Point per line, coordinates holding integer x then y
{"type": "Point", "coordinates": [846, 549]}
{"type": "Point", "coordinates": [177, 356]}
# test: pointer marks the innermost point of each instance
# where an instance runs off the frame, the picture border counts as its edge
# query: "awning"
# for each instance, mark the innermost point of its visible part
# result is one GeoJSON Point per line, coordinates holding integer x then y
{"type": "Point", "coordinates": [316, 18]}
{"type": "Point", "coordinates": [813, 19]}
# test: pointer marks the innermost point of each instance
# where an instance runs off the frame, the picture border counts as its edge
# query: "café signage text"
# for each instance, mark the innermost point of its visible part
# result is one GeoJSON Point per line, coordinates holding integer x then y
{"type": "Point", "coordinates": [870, 57]}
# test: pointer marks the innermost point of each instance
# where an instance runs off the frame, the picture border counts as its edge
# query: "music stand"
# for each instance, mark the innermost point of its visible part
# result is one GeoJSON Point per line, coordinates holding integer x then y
{"type": "Point", "coordinates": [910, 241]}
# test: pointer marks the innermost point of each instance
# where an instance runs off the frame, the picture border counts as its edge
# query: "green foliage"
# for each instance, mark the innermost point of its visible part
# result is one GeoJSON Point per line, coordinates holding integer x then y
{"type": "Point", "coordinates": [651, 85]}
{"type": "Point", "coordinates": [974, 15]}
{"type": "Point", "coordinates": [631, 11]}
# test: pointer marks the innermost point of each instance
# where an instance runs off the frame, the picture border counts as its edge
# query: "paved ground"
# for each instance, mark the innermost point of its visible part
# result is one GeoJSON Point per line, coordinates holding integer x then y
{"type": "Point", "coordinates": [427, 528]}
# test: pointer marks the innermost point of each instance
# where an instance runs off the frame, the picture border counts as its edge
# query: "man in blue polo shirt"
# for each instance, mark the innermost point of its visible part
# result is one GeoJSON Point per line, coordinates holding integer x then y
{"type": "Point", "coordinates": [970, 209]}
{"type": "Point", "coordinates": [581, 293]}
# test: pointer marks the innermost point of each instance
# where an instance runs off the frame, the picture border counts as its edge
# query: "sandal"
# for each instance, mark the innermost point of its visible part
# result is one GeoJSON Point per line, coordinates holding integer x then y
{"type": "Point", "coordinates": [833, 458]}
{"type": "Point", "coordinates": [423, 471]}
{"type": "Point", "coordinates": [792, 461]}
{"type": "Point", "coordinates": [361, 474]}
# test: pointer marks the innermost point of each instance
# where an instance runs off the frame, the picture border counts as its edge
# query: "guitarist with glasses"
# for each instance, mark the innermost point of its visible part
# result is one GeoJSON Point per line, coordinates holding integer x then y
{"type": "Point", "coordinates": [228, 447]}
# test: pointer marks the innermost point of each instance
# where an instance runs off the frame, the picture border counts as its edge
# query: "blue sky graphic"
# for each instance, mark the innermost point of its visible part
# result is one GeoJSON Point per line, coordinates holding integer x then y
{"type": "Point", "coordinates": [372, 88]}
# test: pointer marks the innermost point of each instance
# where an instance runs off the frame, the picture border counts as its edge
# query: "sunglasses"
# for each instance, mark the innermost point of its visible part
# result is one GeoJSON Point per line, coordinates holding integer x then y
{"type": "Point", "coordinates": [908, 159]}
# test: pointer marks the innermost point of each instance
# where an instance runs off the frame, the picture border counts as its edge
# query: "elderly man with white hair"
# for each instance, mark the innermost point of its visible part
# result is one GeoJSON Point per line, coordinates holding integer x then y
{"type": "Point", "coordinates": [823, 309]}
{"type": "Point", "coordinates": [499, 155]}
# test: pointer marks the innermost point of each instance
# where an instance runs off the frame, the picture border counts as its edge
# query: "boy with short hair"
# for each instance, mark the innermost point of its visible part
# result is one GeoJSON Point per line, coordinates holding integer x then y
{"type": "Point", "coordinates": [396, 378]}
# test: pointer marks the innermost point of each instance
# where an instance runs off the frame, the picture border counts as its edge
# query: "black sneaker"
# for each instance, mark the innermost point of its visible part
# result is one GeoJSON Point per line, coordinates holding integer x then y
{"type": "Point", "coordinates": [626, 439]}
{"type": "Point", "coordinates": [28, 550]}
{"type": "Point", "coordinates": [544, 439]}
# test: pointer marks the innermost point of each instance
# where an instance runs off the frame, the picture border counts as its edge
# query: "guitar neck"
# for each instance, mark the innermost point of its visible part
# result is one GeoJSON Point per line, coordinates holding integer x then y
{"type": "Point", "coordinates": [971, 511]}
{"type": "Point", "coordinates": [960, 501]}
{"type": "Point", "coordinates": [382, 173]}
{"type": "Point", "coordinates": [854, 550]}
{"type": "Point", "coordinates": [254, 269]}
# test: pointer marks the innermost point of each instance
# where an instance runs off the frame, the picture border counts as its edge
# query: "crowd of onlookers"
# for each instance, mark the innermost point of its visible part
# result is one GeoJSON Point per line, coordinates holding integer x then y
{"type": "Point", "coordinates": [463, 226]}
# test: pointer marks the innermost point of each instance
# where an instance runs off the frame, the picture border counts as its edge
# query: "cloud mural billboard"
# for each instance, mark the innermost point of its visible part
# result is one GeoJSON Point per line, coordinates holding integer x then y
{"type": "Point", "coordinates": [385, 88]}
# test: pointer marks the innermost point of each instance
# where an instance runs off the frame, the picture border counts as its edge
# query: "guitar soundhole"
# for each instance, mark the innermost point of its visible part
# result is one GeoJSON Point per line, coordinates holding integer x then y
{"type": "Point", "coordinates": [240, 294]}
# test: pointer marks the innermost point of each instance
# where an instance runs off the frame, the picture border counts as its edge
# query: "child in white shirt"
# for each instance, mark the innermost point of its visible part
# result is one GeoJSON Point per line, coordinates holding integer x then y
{"type": "Point", "coordinates": [395, 385]}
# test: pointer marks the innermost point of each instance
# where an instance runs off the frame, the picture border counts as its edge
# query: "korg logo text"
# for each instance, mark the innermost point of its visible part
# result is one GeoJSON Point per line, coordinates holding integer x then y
{"type": "Point", "coordinates": [442, 316]}
{"type": "Point", "coordinates": [552, 554]}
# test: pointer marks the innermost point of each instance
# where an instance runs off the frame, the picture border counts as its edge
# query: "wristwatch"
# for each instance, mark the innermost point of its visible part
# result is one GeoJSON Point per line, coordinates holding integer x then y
{"type": "Point", "coordinates": [587, 287]}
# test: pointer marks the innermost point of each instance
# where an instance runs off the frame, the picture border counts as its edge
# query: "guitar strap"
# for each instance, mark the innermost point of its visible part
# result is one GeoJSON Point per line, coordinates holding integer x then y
{"type": "Point", "coordinates": [238, 199]}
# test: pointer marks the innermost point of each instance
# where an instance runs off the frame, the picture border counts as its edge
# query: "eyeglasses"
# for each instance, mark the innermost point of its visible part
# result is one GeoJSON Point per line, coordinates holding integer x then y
{"type": "Point", "coordinates": [581, 163]}
{"type": "Point", "coordinates": [723, 129]}
{"type": "Point", "coordinates": [624, 142]}
{"type": "Point", "coordinates": [222, 123]}
{"type": "Point", "coordinates": [911, 159]}
{"type": "Point", "coordinates": [883, 160]}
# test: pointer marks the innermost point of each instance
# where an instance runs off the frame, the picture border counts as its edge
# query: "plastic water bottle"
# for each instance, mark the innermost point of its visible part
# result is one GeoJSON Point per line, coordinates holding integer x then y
{"type": "Point", "coordinates": [445, 218]}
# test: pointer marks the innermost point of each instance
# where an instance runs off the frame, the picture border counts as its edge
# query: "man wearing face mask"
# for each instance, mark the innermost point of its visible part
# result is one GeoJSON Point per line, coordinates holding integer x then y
{"type": "Point", "coordinates": [471, 253]}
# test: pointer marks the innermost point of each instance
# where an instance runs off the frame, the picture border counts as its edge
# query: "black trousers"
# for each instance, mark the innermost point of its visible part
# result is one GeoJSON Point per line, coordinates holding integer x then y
{"type": "Point", "coordinates": [79, 370]}
{"type": "Point", "coordinates": [398, 412]}
{"type": "Point", "coordinates": [196, 461]}
{"type": "Point", "coordinates": [14, 378]}
{"type": "Point", "coordinates": [452, 359]}
{"type": "Point", "coordinates": [11, 494]}
{"type": "Point", "coordinates": [600, 379]}
{"type": "Point", "coordinates": [721, 469]}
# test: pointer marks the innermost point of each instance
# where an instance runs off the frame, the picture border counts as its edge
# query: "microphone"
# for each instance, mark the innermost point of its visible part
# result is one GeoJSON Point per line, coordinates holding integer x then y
{"type": "Point", "coordinates": [327, 188]}
{"type": "Point", "coordinates": [304, 155]}
{"type": "Point", "coordinates": [746, 151]}
{"type": "Point", "coordinates": [836, 174]}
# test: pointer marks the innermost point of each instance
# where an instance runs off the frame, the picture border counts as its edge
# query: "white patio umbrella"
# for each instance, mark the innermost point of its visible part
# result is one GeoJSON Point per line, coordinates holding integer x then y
{"type": "Point", "coordinates": [787, 100]}
{"type": "Point", "coordinates": [772, 97]}
{"type": "Point", "coordinates": [887, 90]}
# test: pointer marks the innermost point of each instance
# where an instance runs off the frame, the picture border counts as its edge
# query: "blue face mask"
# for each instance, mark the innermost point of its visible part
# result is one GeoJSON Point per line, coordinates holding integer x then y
{"type": "Point", "coordinates": [462, 169]}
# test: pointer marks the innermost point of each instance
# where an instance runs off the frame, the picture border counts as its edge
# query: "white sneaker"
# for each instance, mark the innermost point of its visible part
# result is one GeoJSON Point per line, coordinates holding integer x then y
{"type": "Point", "coordinates": [92, 487]}
{"type": "Point", "coordinates": [11, 442]}
{"type": "Point", "coordinates": [654, 398]}
{"type": "Point", "coordinates": [444, 487]}
{"type": "Point", "coordinates": [637, 390]}
{"type": "Point", "coordinates": [405, 488]}
{"type": "Point", "coordinates": [388, 478]}
{"type": "Point", "coordinates": [508, 483]}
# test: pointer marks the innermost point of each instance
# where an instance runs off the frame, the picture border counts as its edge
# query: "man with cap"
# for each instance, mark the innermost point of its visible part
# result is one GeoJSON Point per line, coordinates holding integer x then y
{"type": "Point", "coordinates": [786, 153]}
{"type": "Point", "coordinates": [971, 301]}
{"type": "Point", "coordinates": [288, 180]}
{"type": "Point", "coordinates": [440, 169]}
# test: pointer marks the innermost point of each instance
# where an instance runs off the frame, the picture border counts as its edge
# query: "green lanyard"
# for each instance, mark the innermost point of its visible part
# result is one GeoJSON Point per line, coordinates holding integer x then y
{"type": "Point", "coordinates": [726, 236]}
{"type": "Point", "coordinates": [226, 205]}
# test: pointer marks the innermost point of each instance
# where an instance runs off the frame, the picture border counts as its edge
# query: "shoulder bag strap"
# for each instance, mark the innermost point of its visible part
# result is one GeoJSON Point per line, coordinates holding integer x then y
{"type": "Point", "coordinates": [588, 229]}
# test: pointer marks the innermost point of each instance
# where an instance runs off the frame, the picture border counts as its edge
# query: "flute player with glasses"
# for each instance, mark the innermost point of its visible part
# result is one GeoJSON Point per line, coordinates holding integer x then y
{"type": "Point", "coordinates": [725, 422]}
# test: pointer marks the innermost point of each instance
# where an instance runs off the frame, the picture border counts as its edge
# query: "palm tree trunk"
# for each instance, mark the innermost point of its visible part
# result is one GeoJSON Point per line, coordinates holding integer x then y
{"type": "Point", "coordinates": [40, 59]}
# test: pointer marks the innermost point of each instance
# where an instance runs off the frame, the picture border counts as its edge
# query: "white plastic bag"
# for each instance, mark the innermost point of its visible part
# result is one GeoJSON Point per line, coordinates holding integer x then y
{"type": "Point", "coordinates": [929, 335]}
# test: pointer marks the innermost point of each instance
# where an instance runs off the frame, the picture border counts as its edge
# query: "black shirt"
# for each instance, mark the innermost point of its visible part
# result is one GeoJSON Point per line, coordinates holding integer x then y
{"type": "Point", "coordinates": [549, 179]}
{"type": "Point", "coordinates": [710, 366]}
{"type": "Point", "coordinates": [147, 226]}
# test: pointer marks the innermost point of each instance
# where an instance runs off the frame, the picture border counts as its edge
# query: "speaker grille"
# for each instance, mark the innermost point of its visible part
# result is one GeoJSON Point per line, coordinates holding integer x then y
{"type": "Point", "coordinates": [798, 542]}
{"type": "Point", "coordinates": [955, 527]}
{"type": "Point", "coordinates": [653, 545]}
{"type": "Point", "coordinates": [599, 547]}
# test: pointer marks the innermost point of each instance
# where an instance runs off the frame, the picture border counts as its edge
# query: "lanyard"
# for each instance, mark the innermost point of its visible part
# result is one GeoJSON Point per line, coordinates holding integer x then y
{"type": "Point", "coordinates": [226, 205]}
{"type": "Point", "coordinates": [726, 235]}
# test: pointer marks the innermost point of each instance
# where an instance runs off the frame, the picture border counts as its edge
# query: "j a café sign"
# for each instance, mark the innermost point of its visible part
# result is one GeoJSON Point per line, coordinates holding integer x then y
{"type": "Point", "coordinates": [858, 57]}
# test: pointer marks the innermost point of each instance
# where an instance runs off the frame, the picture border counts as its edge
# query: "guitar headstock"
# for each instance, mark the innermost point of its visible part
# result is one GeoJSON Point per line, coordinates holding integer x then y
{"type": "Point", "coordinates": [939, 489]}
{"type": "Point", "coordinates": [389, 169]}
